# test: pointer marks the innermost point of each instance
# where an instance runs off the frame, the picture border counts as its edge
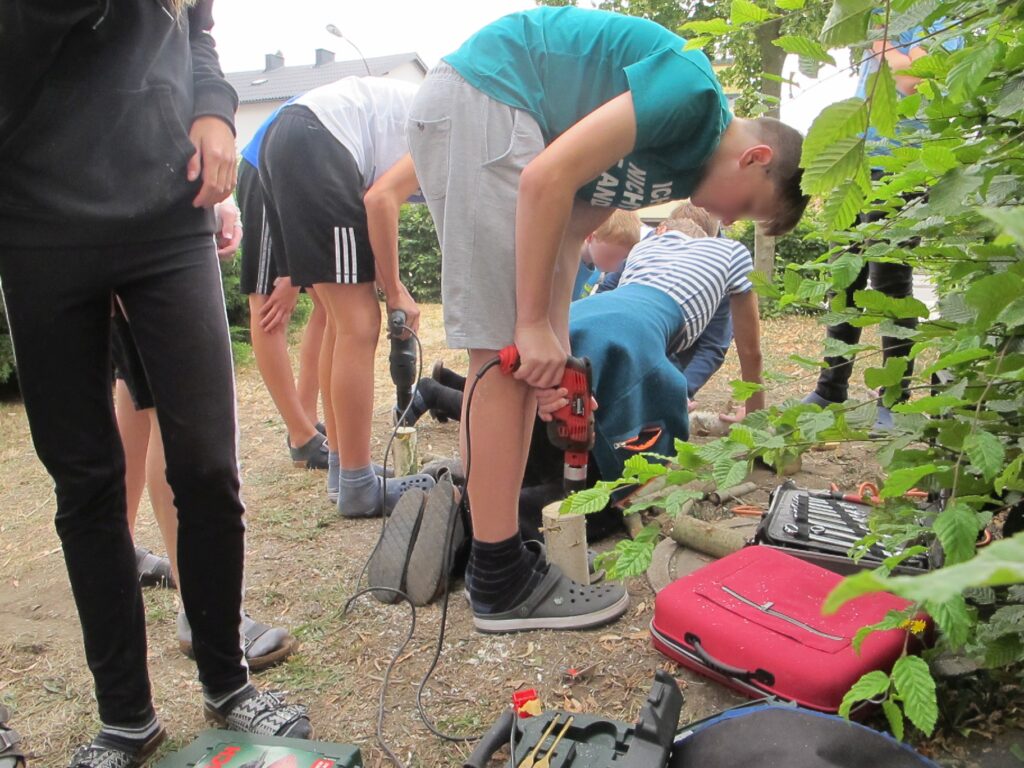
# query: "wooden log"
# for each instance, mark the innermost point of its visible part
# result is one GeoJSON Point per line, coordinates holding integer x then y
{"type": "Point", "coordinates": [565, 537]}
{"type": "Point", "coordinates": [404, 450]}
{"type": "Point", "coordinates": [634, 524]}
{"type": "Point", "coordinates": [710, 538]}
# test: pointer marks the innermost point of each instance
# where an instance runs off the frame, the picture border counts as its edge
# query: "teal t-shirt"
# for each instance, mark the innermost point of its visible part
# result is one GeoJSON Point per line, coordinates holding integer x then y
{"type": "Point", "coordinates": [560, 64]}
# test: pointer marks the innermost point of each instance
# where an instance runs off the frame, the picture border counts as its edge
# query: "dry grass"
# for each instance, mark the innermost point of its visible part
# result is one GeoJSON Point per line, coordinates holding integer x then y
{"type": "Point", "coordinates": [302, 563]}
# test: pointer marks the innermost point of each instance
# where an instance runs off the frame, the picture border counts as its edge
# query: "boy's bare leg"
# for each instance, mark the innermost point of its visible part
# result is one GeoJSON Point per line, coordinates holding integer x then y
{"type": "Point", "coordinates": [134, 428]}
{"type": "Point", "coordinates": [355, 312]}
{"type": "Point", "coordinates": [308, 383]}
{"type": "Point", "coordinates": [325, 367]}
{"type": "Point", "coordinates": [160, 495]}
{"type": "Point", "coordinates": [275, 366]}
{"type": "Point", "coordinates": [503, 410]}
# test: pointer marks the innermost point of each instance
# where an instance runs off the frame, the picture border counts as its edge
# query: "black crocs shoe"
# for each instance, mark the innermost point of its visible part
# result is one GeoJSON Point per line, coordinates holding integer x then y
{"type": "Point", "coordinates": [262, 713]}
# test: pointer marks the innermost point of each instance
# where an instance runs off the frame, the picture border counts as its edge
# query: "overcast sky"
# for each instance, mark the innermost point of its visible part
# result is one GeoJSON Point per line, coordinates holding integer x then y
{"type": "Point", "coordinates": [247, 29]}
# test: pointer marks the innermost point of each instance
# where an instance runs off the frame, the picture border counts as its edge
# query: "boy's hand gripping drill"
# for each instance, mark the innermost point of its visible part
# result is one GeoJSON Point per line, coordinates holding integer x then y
{"type": "Point", "coordinates": [403, 360]}
{"type": "Point", "coordinates": [572, 426]}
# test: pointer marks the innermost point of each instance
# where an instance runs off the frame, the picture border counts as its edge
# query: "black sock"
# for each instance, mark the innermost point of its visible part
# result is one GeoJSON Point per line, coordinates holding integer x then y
{"type": "Point", "coordinates": [500, 575]}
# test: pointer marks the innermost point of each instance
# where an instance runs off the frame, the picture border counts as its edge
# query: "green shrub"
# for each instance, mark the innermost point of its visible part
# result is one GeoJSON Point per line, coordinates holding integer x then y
{"type": "Point", "coordinates": [419, 253]}
{"type": "Point", "coordinates": [801, 246]}
{"type": "Point", "coordinates": [6, 349]}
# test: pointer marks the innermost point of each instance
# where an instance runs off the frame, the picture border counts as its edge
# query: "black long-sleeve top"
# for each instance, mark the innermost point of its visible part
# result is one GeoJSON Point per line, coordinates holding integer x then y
{"type": "Point", "coordinates": [97, 98]}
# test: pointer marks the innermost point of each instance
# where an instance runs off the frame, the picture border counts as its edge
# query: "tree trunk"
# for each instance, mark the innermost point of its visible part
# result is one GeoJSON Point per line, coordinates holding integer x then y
{"type": "Point", "coordinates": [773, 58]}
{"type": "Point", "coordinates": [764, 252]}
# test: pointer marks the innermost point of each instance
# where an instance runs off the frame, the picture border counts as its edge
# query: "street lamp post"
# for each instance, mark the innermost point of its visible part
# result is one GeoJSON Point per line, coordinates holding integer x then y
{"type": "Point", "coordinates": [333, 30]}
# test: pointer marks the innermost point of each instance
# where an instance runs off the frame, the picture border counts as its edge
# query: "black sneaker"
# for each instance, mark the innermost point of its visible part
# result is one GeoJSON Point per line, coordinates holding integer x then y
{"type": "Point", "coordinates": [262, 713]}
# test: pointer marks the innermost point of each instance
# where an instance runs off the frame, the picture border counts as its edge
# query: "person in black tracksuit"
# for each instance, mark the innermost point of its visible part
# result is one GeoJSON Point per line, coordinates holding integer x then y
{"type": "Point", "coordinates": [116, 138]}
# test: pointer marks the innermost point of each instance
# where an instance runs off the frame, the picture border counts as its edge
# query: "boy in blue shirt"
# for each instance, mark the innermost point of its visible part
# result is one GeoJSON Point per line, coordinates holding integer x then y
{"type": "Point", "coordinates": [524, 141]}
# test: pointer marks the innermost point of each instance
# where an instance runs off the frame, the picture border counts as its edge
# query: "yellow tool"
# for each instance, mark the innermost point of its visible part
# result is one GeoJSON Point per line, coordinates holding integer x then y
{"type": "Point", "coordinates": [528, 760]}
{"type": "Point", "coordinates": [545, 762]}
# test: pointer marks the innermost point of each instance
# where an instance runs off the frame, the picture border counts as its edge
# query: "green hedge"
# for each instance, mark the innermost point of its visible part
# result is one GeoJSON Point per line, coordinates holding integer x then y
{"type": "Point", "coordinates": [419, 253]}
{"type": "Point", "coordinates": [6, 350]}
{"type": "Point", "coordinates": [801, 246]}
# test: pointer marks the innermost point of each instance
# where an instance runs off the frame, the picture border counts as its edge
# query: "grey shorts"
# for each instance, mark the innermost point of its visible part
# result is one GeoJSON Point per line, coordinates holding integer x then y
{"type": "Point", "coordinates": [469, 151]}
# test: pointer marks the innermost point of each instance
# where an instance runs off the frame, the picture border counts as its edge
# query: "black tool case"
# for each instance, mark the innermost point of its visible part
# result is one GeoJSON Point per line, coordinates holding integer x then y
{"type": "Point", "coordinates": [590, 741]}
{"type": "Point", "coordinates": [820, 529]}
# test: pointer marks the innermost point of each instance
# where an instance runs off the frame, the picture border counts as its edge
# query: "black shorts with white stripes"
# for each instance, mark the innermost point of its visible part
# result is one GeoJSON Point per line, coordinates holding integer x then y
{"type": "Point", "coordinates": [313, 192]}
{"type": "Point", "coordinates": [258, 269]}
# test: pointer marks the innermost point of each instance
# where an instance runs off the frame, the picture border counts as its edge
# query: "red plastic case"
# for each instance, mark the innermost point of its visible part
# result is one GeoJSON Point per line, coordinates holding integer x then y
{"type": "Point", "coordinates": [753, 621]}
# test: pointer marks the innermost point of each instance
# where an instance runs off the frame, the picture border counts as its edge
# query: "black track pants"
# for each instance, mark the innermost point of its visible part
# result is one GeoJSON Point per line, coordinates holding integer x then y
{"type": "Point", "coordinates": [58, 304]}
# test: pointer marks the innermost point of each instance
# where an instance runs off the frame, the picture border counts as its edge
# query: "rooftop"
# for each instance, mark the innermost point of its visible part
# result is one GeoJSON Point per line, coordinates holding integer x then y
{"type": "Point", "coordinates": [276, 82]}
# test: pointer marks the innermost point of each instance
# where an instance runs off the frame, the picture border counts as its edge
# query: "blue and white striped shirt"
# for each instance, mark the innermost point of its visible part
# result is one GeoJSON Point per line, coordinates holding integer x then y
{"type": "Point", "coordinates": [696, 272]}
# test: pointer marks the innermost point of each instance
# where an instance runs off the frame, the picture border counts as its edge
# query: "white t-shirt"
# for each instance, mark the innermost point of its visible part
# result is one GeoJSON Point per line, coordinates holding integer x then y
{"type": "Point", "coordinates": [696, 272]}
{"type": "Point", "coordinates": [368, 116]}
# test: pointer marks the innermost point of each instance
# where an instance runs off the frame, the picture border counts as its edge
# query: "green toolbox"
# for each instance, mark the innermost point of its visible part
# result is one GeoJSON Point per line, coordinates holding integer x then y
{"type": "Point", "coordinates": [229, 749]}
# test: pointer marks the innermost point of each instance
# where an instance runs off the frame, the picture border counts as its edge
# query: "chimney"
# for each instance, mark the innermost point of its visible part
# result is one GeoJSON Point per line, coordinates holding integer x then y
{"type": "Point", "coordinates": [274, 61]}
{"type": "Point", "coordinates": [323, 56]}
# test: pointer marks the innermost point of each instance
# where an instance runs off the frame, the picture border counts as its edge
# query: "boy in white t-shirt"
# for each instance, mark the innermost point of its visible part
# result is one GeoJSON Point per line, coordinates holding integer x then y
{"type": "Point", "coordinates": [335, 169]}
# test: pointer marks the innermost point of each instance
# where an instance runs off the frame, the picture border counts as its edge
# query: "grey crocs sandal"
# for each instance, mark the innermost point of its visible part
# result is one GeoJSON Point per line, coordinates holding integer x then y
{"type": "Point", "coordinates": [558, 602]}
{"type": "Point", "coordinates": [394, 488]}
{"type": "Point", "coordinates": [11, 753]}
{"type": "Point", "coordinates": [389, 562]}
{"type": "Point", "coordinates": [153, 570]}
{"type": "Point", "coordinates": [312, 454]}
{"type": "Point", "coordinates": [428, 568]}
{"type": "Point", "coordinates": [263, 645]}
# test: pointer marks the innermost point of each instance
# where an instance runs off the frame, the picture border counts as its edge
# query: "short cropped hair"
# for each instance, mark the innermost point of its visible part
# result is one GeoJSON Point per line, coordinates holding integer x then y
{"type": "Point", "coordinates": [705, 221]}
{"type": "Point", "coordinates": [621, 228]}
{"type": "Point", "coordinates": [784, 171]}
{"type": "Point", "coordinates": [688, 227]}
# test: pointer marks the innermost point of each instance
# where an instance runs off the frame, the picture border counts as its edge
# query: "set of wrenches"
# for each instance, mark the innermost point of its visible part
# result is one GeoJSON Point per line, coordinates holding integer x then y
{"type": "Point", "coordinates": [829, 522]}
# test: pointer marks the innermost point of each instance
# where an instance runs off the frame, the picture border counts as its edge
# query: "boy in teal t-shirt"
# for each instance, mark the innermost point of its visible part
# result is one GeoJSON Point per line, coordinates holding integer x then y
{"type": "Point", "coordinates": [524, 141]}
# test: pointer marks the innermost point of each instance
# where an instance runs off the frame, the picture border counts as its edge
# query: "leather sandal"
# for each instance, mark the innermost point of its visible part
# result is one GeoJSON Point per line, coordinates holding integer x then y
{"type": "Point", "coordinates": [263, 645]}
{"type": "Point", "coordinates": [11, 753]}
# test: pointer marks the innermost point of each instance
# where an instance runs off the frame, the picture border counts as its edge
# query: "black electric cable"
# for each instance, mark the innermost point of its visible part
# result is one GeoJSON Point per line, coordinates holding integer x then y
{"type": "Point", "coordinates": [447, 577]}
{"type": "Point", "coordinates": [449, 537]}
{"type": "Point", "coordinates": [399, 421]}
{"type": "Point", "coordinates": [391, 665]}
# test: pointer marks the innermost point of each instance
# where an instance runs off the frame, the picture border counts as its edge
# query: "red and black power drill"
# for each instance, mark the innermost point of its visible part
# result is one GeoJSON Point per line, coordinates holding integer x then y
{"type": "Point", "coordinates": [572, 426]}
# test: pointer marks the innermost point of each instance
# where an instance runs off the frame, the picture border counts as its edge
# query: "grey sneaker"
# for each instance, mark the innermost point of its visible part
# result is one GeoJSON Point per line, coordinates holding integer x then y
{"type": "Point", "coordinates": [311, 455]}
{"type": "Point", "coordinates": [884, 422]}
{"type": "Point", "coordinates": [815, 399]}
{"type": "Point", "coordinates": [153, 570]}
{"type": "Point", "coordinates": [263, 645]}
{"type": "Point", "coordinates": [558, 602]}
{"type": "Point", "coordinates": [262, 713]}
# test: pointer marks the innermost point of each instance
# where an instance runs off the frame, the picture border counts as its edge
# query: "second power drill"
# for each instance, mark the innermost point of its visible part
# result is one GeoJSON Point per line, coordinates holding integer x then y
{"type": "Point", "coordinates": [403, 365]}
{"type": "Point", "coordinates": [571, 428]}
